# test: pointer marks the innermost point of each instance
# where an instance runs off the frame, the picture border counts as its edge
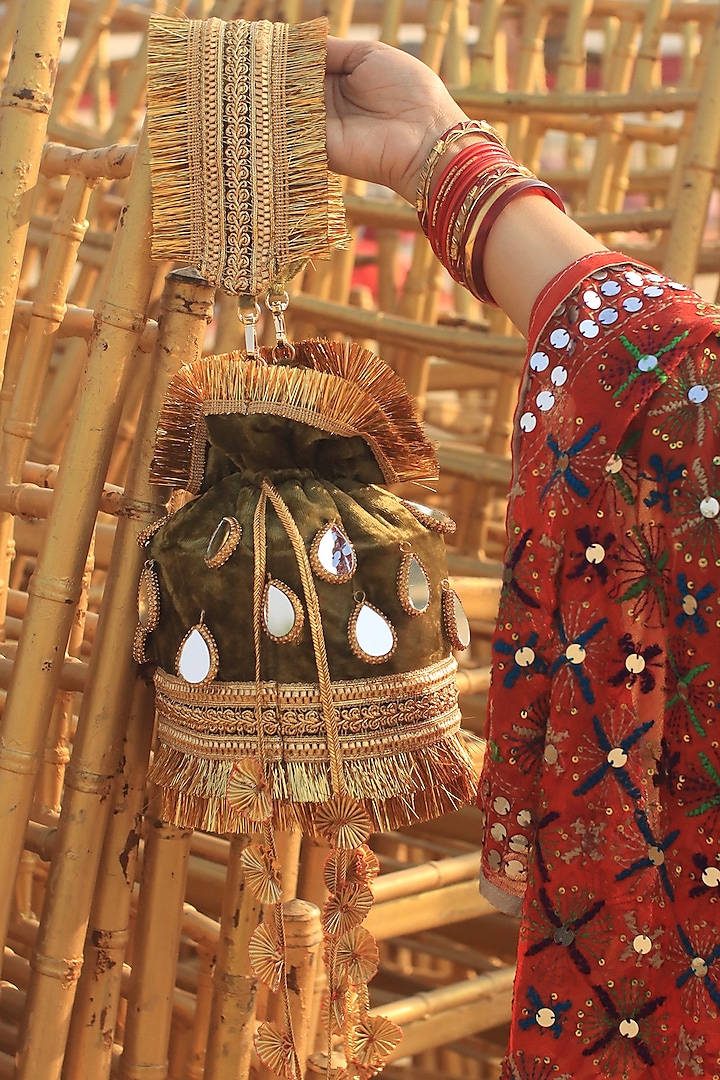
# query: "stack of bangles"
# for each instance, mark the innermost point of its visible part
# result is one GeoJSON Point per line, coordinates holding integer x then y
{"type": "Point", "coordinates": [468, 197]}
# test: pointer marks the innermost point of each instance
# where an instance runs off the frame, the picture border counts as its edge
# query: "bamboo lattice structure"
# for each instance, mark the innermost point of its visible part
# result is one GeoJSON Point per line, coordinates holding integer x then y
{"type": "Point", "coordinates": [125, 939]}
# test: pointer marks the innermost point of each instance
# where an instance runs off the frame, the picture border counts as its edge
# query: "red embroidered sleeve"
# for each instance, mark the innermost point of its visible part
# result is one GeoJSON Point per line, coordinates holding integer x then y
{"type": "Point", "coordinates": [601, 789]}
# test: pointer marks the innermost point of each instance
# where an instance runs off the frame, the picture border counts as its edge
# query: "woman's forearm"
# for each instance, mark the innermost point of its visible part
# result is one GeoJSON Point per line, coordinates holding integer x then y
{"type": "Point", "coordinates": [530, 243]}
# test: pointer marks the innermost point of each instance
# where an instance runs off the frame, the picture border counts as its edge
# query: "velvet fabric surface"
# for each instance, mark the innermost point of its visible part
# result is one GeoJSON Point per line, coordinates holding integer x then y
{"type": "Point", "coordinates": [321, 479]}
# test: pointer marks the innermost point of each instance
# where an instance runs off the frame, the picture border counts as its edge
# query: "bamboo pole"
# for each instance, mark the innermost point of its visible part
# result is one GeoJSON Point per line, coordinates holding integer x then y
{"type": "Point", "coordinates": [494, 352]}
{"type": "Point", "coordinates": [235, 991]}
{"type": "Point", "coordinates": [457, 1011]}
{"type": "Point", "coordinates": [623, 57]}
{"type": "Point", "coordinates": [89, 1044]}
{"type": "Point", "coordinates": [51, 779]}
{"type": "Point", "coordinates": [456, 58]}
{"type": "Point", "coordinates": [25, 105]}
{"type": "Point", "coordinates": [426, 877]}
{"type": "Point", "coordinates": [391, 18]}
{"type": "Point", "coordinates": [381, 213]}
{"type": "Point", "coordinates": [303, 941]}
{"type": "Point", "coordinates": [340, 14]}
{"type": "Point", "coordinates": [19, 404]}
{"type": "Point", "coordinates": [7, 35]}
{"type": "Point", "coordinates": [75, 75]}
{"type": "Point", "coordinates": [699, 174]}
{"type": "Point", "coordinates": [186, 310]}
{"type": "Point", "coordinates": [104, 163]}
{"type": "Point", "coordinates": [642, 82]}
{"type": "Point", "coordinates": [418, 297]}
{"type": "Point", "coordinates": [449, 904]}
{"type": "Point", "coordinates": [588, 103]}
{"type": "Point", "coordinates": [195, 1068]}
{"type": "Point", "coordinates": [157, 936]}
{"type": "Point", "coordinates": [484, 72]}
{"type": "Point", "coordinates": [54, 587]}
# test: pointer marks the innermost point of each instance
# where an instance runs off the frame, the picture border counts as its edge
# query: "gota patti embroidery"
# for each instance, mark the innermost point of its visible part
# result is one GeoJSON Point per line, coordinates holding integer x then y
{"type": "Point", "coordinates": [222, 127]}
{"type": "Point", "coordinates": [601, 787]}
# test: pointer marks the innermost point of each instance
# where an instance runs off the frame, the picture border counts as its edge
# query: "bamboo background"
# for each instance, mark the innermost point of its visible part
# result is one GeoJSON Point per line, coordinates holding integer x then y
{"type": "Point", "coordinates": [125, 939]}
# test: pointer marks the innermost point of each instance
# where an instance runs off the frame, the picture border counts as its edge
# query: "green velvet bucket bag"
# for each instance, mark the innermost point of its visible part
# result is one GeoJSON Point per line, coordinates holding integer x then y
{"type": "Point", "coordinates": [298, 613]}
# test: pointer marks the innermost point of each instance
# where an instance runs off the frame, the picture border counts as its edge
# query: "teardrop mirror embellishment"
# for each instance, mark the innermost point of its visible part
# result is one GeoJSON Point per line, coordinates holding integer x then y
{"type": "Point", "coordinates": [197, 658]}
{"type": "Point", "coordinates": [332, 556]}
{"type": "Point", "coordinates": [282, 612]}
{"type": "Point", "coordinates": [145, 535]}
{"type": "Point", "coordinates": [432, 519]}
{"type": "Point", "coordinates": [413, 585]}
{"type": "Point", "coordinates": [455, 620]}
{"type": "Point", "coordinates": [223, 542]}
{"type": "Point", "coordinates": [148, 605]}
{"type": "Point", "coordinates": [371, 635]}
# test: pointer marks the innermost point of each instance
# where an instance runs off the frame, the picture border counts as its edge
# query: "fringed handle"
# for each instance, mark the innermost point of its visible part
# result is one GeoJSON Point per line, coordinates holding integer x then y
{"type": "Point", "coordinates": [236, 120]}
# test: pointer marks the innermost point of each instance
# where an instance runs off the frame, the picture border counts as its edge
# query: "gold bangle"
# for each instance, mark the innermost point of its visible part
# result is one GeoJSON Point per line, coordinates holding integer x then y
{"type": "Point", "coordinates": [464, 127]}
{"type": "Point", "coordinates": [497, 177]}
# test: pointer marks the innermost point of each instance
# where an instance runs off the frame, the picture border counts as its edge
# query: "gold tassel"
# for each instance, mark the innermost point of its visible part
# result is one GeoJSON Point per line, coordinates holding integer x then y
{"type": "Point", "coordinates": [395, 791]}
{"type": "Point", "coordinates": [342, 389]}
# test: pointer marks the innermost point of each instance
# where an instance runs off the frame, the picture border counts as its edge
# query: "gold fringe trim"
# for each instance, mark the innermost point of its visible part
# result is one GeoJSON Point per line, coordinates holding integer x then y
{"type": "Point", "coordinates": [236, 123]}
{"type": "Point", "coordinates": [395, 791]}
{"type": "Point", "coordinates": [342, 389]}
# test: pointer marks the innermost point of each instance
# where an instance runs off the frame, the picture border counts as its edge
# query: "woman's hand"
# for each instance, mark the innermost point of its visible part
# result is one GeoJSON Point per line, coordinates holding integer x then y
{"type": "Point", "coordinates": [385, 109]}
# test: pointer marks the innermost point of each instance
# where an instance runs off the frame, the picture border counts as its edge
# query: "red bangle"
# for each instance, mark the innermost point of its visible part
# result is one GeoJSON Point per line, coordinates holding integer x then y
{"type": "Point", "coordinates": [475, 278]}
{"type": "Point", "coordinates": [453, 187]}
{"type": "Point", "coordinates": [457, 131]}
{"type": "Point", "coordinates": [479, 155]}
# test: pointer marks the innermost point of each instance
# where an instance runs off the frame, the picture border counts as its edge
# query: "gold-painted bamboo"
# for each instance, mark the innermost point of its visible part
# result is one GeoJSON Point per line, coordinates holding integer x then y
{"type": "Point", "coordinates": [418, 296]}
{"type": "Point", "coordinates": [570, 77]}
{"type": "Point", "coordinates": [235, 987]}
{"type": "Point", "coordinates": [643, 81]}
{"type": "Point", "coordinates": [528, 77]}
{"type": "Point", "coordinates": [698, 175]}
{"type": "Point", "coordinates": [391, 16]}
{"type": "Point", "coordinates": [194, 1060]}
{"type": "Point", "coordinates": [455, 57]}
{"type": "Point", "coordinates": [381, 213]}
{"type": "Point", "coordinates": [25, 105]}
{"type": "Point", "coordinates": [484, 72]}
{"type": "Point", "coordinates": [7, 35]}
{"type": "Point", "coordinates": [495, 352]}
{"type": "Point", "coordinates": [186, 310]}
{"type": "Point", "coordinates": [103, 163]}
{"type": "Point", "coordinates": [340, 14]}
{"type": "Point", "coordinates": [51, 779]}
{"type": "Point", "coordinates": [75, 75]}
{"type": "Point", "coordinates": [449, 904]}
{"type": "Point", "coordinates": [157, 936]}
{"type": "Point", "coordinates": [587, 103]}
{"type": "Point", "coordinates": [90, 1035]}
{"type": "Point", "coordinates": [33, 501]}
{"type": "Point", "coordinates": [618, 79]}
{"type": "Point", "coordinates": [72, 674]}
{"type": "Point", "coordinates": [54, 587]}
{"type": "Point", "coordinates": [303, 943]}
{"type": "Point", "coordinates": [19, 402]}
{"type": "Point", "coordinates": [458, 1011]}
{"type": "Point", "coordinates": [426, 877]}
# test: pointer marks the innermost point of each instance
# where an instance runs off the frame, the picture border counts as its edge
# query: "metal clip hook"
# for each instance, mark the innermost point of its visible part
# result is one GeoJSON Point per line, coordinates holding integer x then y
{"type": "Point", "coordinates": [277, 304]}
{"type": "Point", "coordinates": [249, 316]}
